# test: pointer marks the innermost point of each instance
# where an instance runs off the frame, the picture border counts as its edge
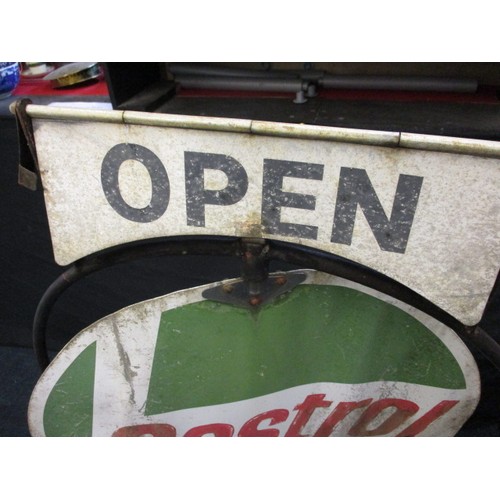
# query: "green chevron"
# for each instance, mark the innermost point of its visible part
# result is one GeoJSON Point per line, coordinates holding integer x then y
{"type": "Point", "coordinates": [209, 353]}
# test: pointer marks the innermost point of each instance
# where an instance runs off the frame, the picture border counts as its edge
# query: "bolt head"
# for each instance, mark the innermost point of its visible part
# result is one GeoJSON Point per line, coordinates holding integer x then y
{"type": "Point", "coordinates": [255, 301]}
{"type": "Point", "coordinates": [280, 280]}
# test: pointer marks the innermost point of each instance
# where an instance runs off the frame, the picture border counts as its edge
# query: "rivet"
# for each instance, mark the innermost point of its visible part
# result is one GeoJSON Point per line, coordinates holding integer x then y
{"type": "Point", "coordinates": [255, 301]}
{"type": "Point", "coordinates": [280, 280]}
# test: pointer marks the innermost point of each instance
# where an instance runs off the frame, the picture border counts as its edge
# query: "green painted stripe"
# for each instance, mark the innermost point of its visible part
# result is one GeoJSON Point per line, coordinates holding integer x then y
{"type": "Point", "coordinates": [69, 407]}
{"type": "Point", "coordinates": [209, 353]}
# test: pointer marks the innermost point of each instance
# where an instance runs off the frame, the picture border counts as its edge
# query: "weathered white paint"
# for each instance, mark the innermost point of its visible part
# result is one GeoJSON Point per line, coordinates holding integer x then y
{"type": "Point", "coordinates": [131, 334]}
{"type": "Point", "coordinates": [453, 253]}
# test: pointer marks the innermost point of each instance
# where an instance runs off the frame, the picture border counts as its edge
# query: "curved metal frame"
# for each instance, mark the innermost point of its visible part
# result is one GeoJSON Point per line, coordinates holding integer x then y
{"type": "Point", "coordinates": [276, 250]}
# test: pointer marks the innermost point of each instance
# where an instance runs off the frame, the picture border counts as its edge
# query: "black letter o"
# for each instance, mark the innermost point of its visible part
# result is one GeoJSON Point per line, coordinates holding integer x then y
{"type": "Point", "coordinates": [159, 181]}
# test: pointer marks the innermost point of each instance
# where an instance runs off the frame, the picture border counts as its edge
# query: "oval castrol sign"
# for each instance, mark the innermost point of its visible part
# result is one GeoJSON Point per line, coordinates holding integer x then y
{"type": "Point", "coordinates": [327, 358]}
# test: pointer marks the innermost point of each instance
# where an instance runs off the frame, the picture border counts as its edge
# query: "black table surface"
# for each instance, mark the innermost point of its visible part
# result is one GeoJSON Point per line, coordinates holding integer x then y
{"type": "Point", "coordinates": [474, 120]}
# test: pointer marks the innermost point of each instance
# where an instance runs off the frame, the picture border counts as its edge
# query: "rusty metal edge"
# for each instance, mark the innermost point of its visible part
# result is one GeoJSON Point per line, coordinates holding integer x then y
{"type": "Point", "coordinates": [444, 144]}
{"type": "Point", "coordinates": [74, 114]}
{"type": "Point", "coordinates": [335, 134]}
{"type": "Point", "coordinates": [475, 147]}
{"type": "Point", "coordinates": [188, 122]}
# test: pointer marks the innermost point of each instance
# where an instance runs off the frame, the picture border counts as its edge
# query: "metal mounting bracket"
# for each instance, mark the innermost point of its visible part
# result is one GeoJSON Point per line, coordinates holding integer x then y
{"type": "Point", "coordinates": [28, 162]}
{"type": "Point", "coordinates": [241, 294]}
{"type": "Point", "coordinates": [256, 287]}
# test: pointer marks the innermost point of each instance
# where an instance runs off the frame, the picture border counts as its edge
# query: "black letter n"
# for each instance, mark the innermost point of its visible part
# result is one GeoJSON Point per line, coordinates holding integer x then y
{"type": "Point", "coordinates": [356, 189]}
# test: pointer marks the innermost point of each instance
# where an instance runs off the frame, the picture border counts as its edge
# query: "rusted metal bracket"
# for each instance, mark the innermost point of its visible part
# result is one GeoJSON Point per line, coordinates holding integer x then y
{"type": "Point", "coordinates": [28, 161]}
{"type": "Point", "coordinates": [243, 294]}
{"type": "Point", "coordinates": [256, 287]}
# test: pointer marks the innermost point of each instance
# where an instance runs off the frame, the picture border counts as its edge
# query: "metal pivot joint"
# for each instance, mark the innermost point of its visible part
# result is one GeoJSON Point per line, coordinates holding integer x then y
{"type": "Point", "coordinates": [255, 270]}
{"type": "Point", "coordinates": [256, 286]}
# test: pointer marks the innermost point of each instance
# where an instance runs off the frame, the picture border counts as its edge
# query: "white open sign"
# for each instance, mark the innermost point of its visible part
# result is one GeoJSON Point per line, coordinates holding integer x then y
{"type": "Point", "coordinates": [428, 219]}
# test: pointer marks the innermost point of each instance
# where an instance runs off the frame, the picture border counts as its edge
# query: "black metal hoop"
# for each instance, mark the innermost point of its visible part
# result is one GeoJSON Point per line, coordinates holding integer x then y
{"type": "Point", "coordinates": [231, 247]}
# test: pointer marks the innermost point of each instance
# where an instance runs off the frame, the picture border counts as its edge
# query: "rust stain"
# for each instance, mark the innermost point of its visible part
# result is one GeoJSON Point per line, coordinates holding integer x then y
{"type": "Point", "coordinates": [251, 226]}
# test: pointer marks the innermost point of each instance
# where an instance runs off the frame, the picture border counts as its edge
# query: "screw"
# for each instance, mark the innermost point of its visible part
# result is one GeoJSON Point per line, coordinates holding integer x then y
{"type": "Point", "coordinates": [311, 91]}
{"type": "Point", "coordinates": [300, 98]}
{"type": "Point", "coordinates": [280, 280]}
{"type": "Point", "coordinates": [255, 301]}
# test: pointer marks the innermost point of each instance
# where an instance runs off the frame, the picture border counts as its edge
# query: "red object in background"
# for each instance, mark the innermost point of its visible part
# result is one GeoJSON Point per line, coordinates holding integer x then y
{"type": "Point", "coordinates": [38, 86]}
